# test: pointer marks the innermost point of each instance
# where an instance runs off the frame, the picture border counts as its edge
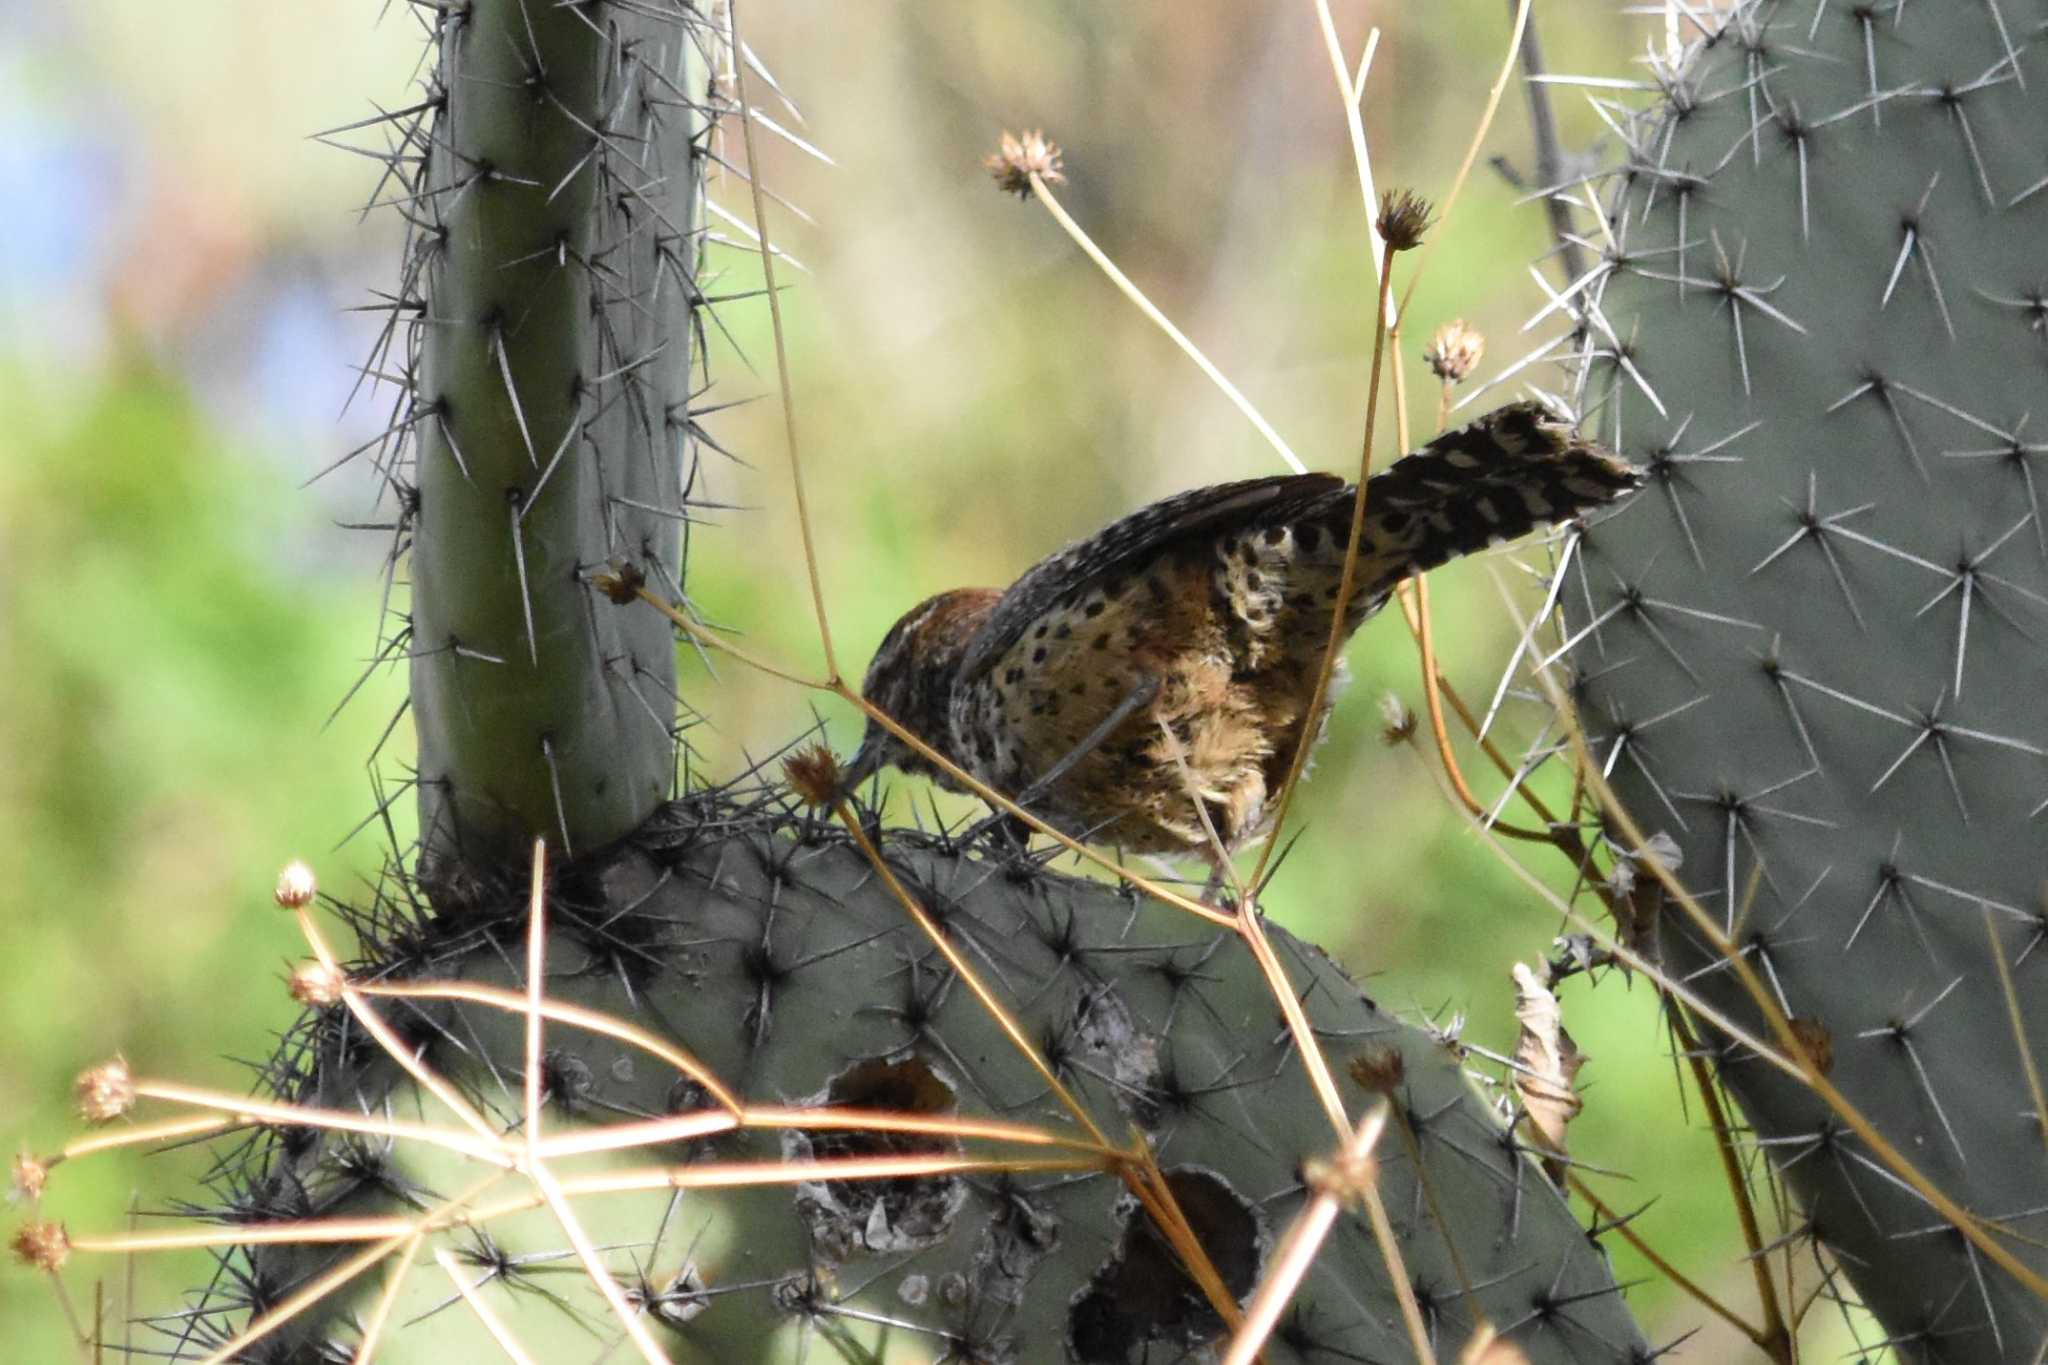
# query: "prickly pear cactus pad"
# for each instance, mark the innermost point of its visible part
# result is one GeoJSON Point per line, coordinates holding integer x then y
{"type": "Point", "coordinates": [1815, 653]}
{"type": "Point", "coordinates": [777, 958]}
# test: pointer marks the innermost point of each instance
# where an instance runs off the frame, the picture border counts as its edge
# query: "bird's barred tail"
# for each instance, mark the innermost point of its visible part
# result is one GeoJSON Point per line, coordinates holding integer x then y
{"type": "Point", "coordinates": [1513, 471]}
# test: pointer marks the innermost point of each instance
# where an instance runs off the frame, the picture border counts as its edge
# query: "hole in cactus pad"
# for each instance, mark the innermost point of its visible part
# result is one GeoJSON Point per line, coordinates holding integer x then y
{"type": "Point", "coordinates": [847, 1217]}
{"type": "Point", "coordinates": [1141, 1297]}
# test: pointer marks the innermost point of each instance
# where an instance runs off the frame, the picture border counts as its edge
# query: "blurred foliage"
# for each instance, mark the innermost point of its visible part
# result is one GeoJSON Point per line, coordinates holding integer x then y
{"type": "Point", "coordinates": [178, 620]}
{"type": "Point", "coordinates": [170, 662]}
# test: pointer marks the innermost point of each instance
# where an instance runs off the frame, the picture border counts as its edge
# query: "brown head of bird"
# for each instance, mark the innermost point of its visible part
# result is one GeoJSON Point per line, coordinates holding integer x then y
{"type": "Point", "coordinates": [911, 678]}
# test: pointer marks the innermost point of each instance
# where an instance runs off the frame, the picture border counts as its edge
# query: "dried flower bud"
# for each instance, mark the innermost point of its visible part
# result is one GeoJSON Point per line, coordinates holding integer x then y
{"type": "Point", "coordinates": [1454, 352]}
{"type": "Point", "coordinates": [31, 1173]}
{"type": "Point", "coordinates": [1819, 1043]}
{"type": "Point", "coordinates": [813, 774]}
{"type": "Point", "coordinates": [105, 1092]}
{"type": "Point", "coordinates": [316, 984]}
{"type": "Point", "coordinates": [622, 585]}
{"type": "Point", "coordinates": [1020, 158]}
{"type": "Point", "coordinates": [1345, 1177]}
{"type": "Point", "coordinates": [296, 885]}
{"type": "Point", "coordinates": [1404, 217]}
{"type": "Point", "coordinates": [45, 1246]}
{"type": "Point", "coordinates": [1378, 1069]}
{"type": "Point", "coordinates": [1397, 722]}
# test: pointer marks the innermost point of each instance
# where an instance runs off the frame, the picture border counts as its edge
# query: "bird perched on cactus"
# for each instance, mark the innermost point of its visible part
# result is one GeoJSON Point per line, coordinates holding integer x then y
{"type": "Point", "coordinates": [1171, 657]}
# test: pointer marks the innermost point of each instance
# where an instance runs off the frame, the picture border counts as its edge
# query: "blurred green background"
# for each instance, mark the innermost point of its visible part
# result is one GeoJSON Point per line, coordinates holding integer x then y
{"type": "Point", "coordinates": [178, 616]}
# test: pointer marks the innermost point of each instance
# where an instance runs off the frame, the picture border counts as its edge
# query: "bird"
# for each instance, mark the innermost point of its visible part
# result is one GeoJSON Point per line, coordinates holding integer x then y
{"type": "Point", "coordinates": [1171, 657]}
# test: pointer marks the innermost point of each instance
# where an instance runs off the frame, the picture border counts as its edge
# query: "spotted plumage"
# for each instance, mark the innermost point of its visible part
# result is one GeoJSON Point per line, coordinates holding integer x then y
{"type": "Point", "coordinates": [1203, 617]}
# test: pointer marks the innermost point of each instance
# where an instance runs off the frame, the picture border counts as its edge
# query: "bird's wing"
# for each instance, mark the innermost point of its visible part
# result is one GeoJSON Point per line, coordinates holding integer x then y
{"type": "Point", "coordinates": [1124, 546]}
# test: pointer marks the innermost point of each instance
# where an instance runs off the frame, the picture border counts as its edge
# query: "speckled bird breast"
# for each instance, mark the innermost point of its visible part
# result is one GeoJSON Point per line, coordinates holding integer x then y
{"type": "Point", "coordinates": [1232, 628]}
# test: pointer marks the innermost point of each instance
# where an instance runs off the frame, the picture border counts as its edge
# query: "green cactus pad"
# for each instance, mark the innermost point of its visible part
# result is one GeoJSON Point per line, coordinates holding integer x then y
{"type": "Point", "coordinates": [787, 968]}
{"type": "Point", "coordinates": [1814, 652]}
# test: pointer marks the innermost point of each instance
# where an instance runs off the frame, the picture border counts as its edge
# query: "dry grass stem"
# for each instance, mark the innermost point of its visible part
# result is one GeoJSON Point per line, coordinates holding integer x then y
{"type": "Point", "coordinates": [1164, 324]}
{"type": "Point", "coordinates": [1352, 91]}
{"type": "Point", "coordinates": [1005, 1020]}
{"type": "Point", "coordinates": [1414, 596]}
{"type": "Point", "coordinates": [301, 1299]}
{"type": "Point", "coordinates": [1147, 1183]}
{"type": "Point", "coordinates": [1347, 580]}
{"type": "Point", "coordinates": [1773, 1333]}
{"type": "Point", "coordinates": [380, 1311]}
{"type": "Point", "coordinates": [1290, 1261]}
{"type": "Point", "coordinates": [2019, 1027]}
{"type": "Point", "coordinates": [479, 1306]}
{"type": "Point", "coordinates": [796, 468]}
{"type": "Point", "coordinates": [1485, 125]}
{"type": "Point", "coordinates": [1253, 933]}
{"type": "Point", "coordinates": [1794, 1052]}
{"type": "Point", "coordinates": [562, 1012]}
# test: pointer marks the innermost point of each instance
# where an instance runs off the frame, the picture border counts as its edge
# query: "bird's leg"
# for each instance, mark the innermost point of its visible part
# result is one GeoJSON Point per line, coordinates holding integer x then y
{"type": "Point", "coordinates": [1137, 698]}
{"type": "Point", "coordinates": [1212, 890]}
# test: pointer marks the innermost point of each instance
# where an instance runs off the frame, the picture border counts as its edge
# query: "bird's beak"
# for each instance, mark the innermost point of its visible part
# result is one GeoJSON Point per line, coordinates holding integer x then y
{"type": "Point", "coordinates": [867, 761]}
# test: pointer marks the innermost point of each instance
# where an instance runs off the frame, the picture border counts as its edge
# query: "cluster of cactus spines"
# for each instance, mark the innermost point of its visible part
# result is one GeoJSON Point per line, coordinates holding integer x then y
{"type": "Point", "coordinates": [551, 180]}
{"type": "Point", "coordinates": [767, 947]}
{"type": "Point", "coordinates": [1812, 655]}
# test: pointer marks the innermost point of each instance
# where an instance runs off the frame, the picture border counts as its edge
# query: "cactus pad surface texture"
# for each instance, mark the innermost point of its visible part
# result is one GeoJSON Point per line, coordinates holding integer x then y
{"type": "Point", "coordinates": [787, 968]}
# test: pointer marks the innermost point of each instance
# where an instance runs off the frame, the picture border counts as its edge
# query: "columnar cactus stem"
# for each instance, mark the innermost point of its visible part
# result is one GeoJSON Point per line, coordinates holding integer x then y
{"type": "Point", "coordinates": [555, 237]}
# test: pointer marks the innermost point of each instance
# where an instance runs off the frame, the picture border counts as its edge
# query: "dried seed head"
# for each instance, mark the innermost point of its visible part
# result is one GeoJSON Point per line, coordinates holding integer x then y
{"type": "Point", "coordinates": [44, 1246]}
{"type": "Point", "coordinates": [31, 1173]}
{"type": "Point", "coordinates": [1378, 1069]}
{"type": "Point", "coordinates": [1397, 722]}
{"type": "Point", "coordinates": [1819, 1043]}
{"type": "Point", "coordinates": [296, 885]}
{"type": "Point", "coordinates": [105, 1092]}
{"type": "Point", "coordinates": [316, 984]}
{"type": "Point", "coordinates": [1020, 158]}
{"type": "Point", "coordinates": [1454, 352]}
{"type": "Point", "coordinates": [1404, 217]}
{"type": "Point", "coordinates": [813, 774]}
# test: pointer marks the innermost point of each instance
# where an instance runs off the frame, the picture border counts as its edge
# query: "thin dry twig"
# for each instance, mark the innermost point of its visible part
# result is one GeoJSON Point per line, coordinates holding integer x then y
{"type": "Point", "coordinates": [1780, 1027]}
{"type": "Point", "coordinates": [1304, 1238]}
{"type": "Point", "coordinates": [1006, 1021]}
{"type": "Point", "coordinates": [1347, 580]}
{"type": "Point", "coordinates": [1773, 1336]}
{"type": "Point", "coordinates": [1131, 291]}
{"type": "Point", "coordinates": [796, 470]}
{"type": "Point", "coordinates": [1450, 201]}
{"type": "Point", "coordinates": [2019, 1026]}
{"type": "Point", "coordinates": [1414, 597]}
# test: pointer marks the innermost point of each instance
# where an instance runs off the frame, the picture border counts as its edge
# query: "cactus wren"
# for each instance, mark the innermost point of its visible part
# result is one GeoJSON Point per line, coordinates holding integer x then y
{"type": "Point", "coordinates": [1191, 631]}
